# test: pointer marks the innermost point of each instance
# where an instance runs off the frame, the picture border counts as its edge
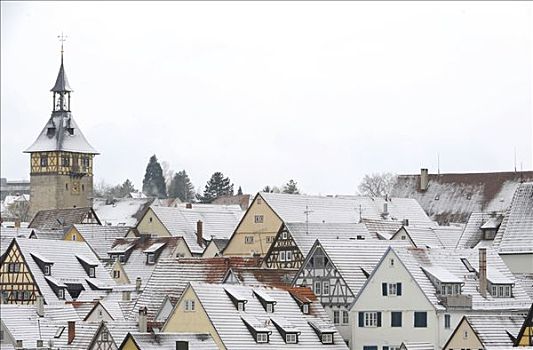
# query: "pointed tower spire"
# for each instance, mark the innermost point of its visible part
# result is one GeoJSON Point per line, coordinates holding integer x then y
{"type": "Point", "coordinates": [61, 89]}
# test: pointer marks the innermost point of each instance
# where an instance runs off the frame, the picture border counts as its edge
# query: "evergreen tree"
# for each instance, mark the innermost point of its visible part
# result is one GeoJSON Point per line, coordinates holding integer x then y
{"type": "Point", "coordinates": [239, 191]}
{"type": "Point", "coordinates": [291, 187]}
{"type": "Point", "coordinates": [217, 186]}
{"type": "Point", "coordinates": [181, 187]}
{"type": "Point", "coordinates": [154, 182]}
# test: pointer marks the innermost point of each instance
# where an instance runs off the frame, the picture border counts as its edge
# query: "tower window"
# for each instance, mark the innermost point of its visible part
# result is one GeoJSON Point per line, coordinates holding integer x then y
{"type": "Point", "coordinates": [66, 186]}
{"type": "Point", "coordinates": [65, 161]}
{"type": "Point", "coordinates": [44, 160]}
{"type": "Point", "coordinates": [83, 187]}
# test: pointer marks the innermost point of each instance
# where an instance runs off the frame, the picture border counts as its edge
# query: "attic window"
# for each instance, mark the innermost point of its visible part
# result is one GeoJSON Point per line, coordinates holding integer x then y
{"type": "Point", "coordinates": [467, 264]}
{"type": "Point", "coordinates": [327, 338]}
{"type": "Point", "coordinates": [291, 338]}
{"type": "Point", "coordinates": [262, 337]}
{"type": "Point", "coordinates": [305, 308]}
{"type": "Point", "coordinates": [47, 270]}
{"type": "Point", "coordinates": [150, 258]}
{"type": "Point", "coordinates": [238, 300]}
{"type": "Point", "coordinates": [437, 197]}
{"type": "Point", "coordinates": [61, 293]}
{"type": "Point", "coordinates": [266, 300]}
{"type": "Point", "coordinates": [501, 290]}
{"type": "Point", "coordinates": [469, 196]}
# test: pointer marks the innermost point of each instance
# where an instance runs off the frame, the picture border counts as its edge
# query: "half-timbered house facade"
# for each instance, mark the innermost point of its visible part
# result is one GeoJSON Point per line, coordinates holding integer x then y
{"type": "Point", "coordinates": [56, 270]}
{"type": "Point", "coordinates": [336, 269]}
{"type": "Point", "coordinates": [292, 244]}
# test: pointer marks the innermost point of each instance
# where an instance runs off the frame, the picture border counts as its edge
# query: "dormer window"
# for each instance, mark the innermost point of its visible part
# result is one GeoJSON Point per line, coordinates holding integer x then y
{"type": "Point", "coordinates": [291, 338]}
{"type": "Point", "coordinates": [236, 298]}
{"type": "Point", "coordinates": [266, 300]}
{"type": "Point", "coordinates": [262, 337]}
{"type": "Point", "coordinates": [150, 258]}
{"type": "Point", "coordinates": [305, 308]}
{"type": "Point", "coordinates": [47, 270]}
{"type": "Point", "coordinates": [88, 265]}
{"type": "Point", "coordinates": [501, 290]}
{"type": "Point", "coordinates": [44, 264]}
{"type": "Point", "coordinates": [240, 306]}
{"type": "Point", "coordinates": [61, 293]}
{"type": "Point", "coordinates": [327, 338]}
{"type": "Point", "coordinates": [92, 272]}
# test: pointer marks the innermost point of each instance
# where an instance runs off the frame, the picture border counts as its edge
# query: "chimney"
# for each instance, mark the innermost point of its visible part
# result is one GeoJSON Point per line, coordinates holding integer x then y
{"type": "Point", "coordinates": [40, 343]}
{"type": "Point", "coordinates": [405, 222]}
{"type": "Point", "coordinates": [483, 272]}
{"type": "Point", "coordinates": [200, 233]}
{"type": "Point", "coordinates": [188, 206]}
{"type": "Point", "coordinates": [385, 209]}
{"type": "Point", "coordinates": [142, 320]}
{"type": "Point", "coordinates": [17, 223]}
{"type": "Point", "coordinates": [424, 179]}
{"type": "Point", "coordinates": [126, 295]}
{"type": "Point", "coordinates": [138, 283]}
{"type": "Point", "coordinates": [182, 345]}
{"type": "Point", "coordinates": [71, 331]}
{"type": "Point", "coordinates": [39, 305]}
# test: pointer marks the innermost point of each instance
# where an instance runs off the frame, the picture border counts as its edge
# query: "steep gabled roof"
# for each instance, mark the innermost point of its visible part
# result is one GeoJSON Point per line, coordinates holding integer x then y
{"type": "Point", "coordinates": [343, 209]}
{"type": "Point", "coordinates": [170, 278]}
{"type": "Point", "coordinates": [231, 324]}
{"type": "Point", "coordinates": [66, 268]}
{"type": "Point", "coordinates": [101, 238]}
{"type": "Point", "coordinates": [58, 219]}
{"type": "Point", "coordinates": [121, 211]}
{"type": "Point", "coordinates": [453, 197]}
{"type": "Point", "coordinates": [432, 237]}
{"type": "Point", "coordinates": [516, 235]}
{"type": "Point", "coordinates": [495, 330]}
{"type": "Point", "coordinates": [218, 221]}
{"type": "Point", "coordinates": [472, 233]}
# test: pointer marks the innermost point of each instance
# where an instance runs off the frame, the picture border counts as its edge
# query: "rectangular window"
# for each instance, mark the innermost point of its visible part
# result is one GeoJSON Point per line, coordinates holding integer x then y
{"type": "Point", "coordinates": [319, 261]}
{"type": "Point", "coordinates": [290, 338]}
{"type": "Point", "coordinates": [284, 235]}
{"type": "Point", "coordinates": [447, 321]}
{"type": "Point", "coordinates": [370, 347]}
{"type": "Point", "coordinates": [150, 259]}
{"type": "Point", "coordinates": [269, 239]}
{"type": "Point", "coordinates": [61, 293]}
{"type": "Point", "coordinates": [507, 291]}
{"type": "Point", "coordinates": [116, 274]}
{"type": "Point", "coordinates": [240, 306]}
{"type": "Point", "coordinates": [91, 272]}
{"type": "Point", "coordinates": [345, 317]}
{"type": "Point", "coordinates": [262, 337]}
{"type": "Point", "coordinates": [336, 317]}
{"type": "Point", "coordinates": [392, 288]}
{"type": "Point", "coordinates": [47, 270]}
{"type": "Point", "coordinates": [65, 161]}
{"type": "Point", "coordinates": [327, 338]}
{"type": "Point", "coordinates": [371, 319]}
{"type": "Point", "coordinates": [396, 319]}
{"type": "Point", "coordinates": [282, 255]}
{"type": "Point", "coordinates": [258, 219]}
{"type": "Point", "coordinates": [318, 289]}
{"type": "Point", "coordinates": [325, 287]}
{"type": "Point", "coordinates": [189, 305]}
{"type": "Point", "coordinates": [421, 319]}
{"type": "Point", "coordinates": [270, 308]}
{"type": "Point", "coordinates": [305, 308]}
{"type": "Point", "coordinates": [105, 336]}
{"type": "Point", "coordinates": [249, 239]}
{"type": "Point", "coordinates": [289, 255]}
{"type": "Point", "coordinates": [44, 160]}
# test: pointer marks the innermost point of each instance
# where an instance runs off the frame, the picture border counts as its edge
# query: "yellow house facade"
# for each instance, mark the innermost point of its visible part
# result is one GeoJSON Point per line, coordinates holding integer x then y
{"type": "Point", "coordinates": [464, 337]}
{"type": "Point", "coordinates": [256, 231]}
{"type": "Point", "coordinates": [185, 319]}
{"type": "Point", "coordinates": [151, 224]}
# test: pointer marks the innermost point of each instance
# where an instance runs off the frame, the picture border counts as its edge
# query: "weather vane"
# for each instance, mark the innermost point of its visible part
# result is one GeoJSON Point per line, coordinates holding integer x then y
{"type": "Point", "coordinates": [62, 38]}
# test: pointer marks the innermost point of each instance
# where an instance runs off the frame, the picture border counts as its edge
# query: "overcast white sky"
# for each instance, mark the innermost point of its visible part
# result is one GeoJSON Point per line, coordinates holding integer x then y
{"type": "Point", "coordinates": [320, 92]}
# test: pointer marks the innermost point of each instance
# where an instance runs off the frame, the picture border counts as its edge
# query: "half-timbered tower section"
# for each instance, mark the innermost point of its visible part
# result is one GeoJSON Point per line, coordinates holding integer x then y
{"type": "Point", "coordinates": [294, 241]}
{"type": "Point", "coordinates": [336, 269]}
{"type": "Point", "coordinates": [58, 270]}
{"type": "Point", "coordinates": [421, 294]}
{"type": "Point", "coordinates": [264, 218]}
{"type": "Point", "coordinates": [61, 159]}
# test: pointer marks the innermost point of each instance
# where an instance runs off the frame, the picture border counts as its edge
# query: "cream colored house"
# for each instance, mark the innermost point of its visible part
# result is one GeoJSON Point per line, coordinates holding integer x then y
{"type": "Point", "coordinates": [244, 317]}
{"type": "Point", "coordinates": [420, 295]}
{"type": "Point", "coordinates": [485, 332]}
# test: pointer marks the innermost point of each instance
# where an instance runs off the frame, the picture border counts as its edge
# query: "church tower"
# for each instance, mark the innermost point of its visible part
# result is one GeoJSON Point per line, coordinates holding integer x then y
{"type": "Point", "coordinates": [61, 163]}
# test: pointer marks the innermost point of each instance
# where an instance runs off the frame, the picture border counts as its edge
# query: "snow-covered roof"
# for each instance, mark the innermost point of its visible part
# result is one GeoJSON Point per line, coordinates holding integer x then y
{"type": "Point", "coordinates": [418, 259]}
{"type": "Point", "coordinates": [305, 235]}
{"type": "Point", "coordinates": [101, 238]}
{"type": "Point", "coordinates": [516, 235]}
{"type": "Point", "coordinates": [121, 211]}
{"type": "Point", "coordinates": [58, 219]}
{"type": "Point", "coordinates": [61, 133]}
{"type": "Point", "coordinates": [66, 268]}
{"type": "Point", "coordinates": [234, 333]}
{"type": "Point", "coordinates": [170, 277]}
{"type": "Point", "coordinates": [493, 330]}
{"type": "Point", "coordinates": [432, 237]}
{"type": "Point", "coordinates": [219, 221]}
{"type": "Point", "coordinates": [344, 209]}
{"type": "Point", "coordinates": [453, 197]}
{"type": "Point", "coordinates": [472, 234]}
{"type": "Point", "coordinates": [150, 341]}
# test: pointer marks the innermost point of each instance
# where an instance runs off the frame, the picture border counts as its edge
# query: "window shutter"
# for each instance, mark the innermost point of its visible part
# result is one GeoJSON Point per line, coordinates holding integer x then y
{"type": "Point", "coordinates": [379, 319]}
{"type": "Point", "coordinates": [399, 288]}
{"type": "Point", "coordinates": [384, 288]}
{"type": "Point", "coordinates": [361, 319]}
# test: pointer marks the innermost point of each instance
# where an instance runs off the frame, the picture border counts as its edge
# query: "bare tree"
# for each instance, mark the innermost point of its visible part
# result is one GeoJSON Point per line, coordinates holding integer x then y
{"type": "Point", "coordinates": [377, 185]}
{"type": "Point", "coordinates": [20, 208]}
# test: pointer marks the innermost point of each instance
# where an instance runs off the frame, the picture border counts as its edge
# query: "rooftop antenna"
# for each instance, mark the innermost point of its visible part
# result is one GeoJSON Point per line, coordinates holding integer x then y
{"type": "Point", "coordinates": [438, 163]}
{"type": "Point", "coordinates": [307, 212]}
{"type": "Point", "coordinates": [515, 159]}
